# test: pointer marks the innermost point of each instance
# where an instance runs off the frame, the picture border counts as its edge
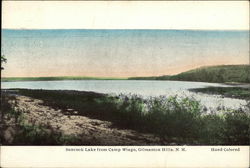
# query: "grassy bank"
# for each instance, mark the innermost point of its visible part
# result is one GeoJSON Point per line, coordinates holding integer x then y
{"type": "Point", "coordinates": [232, 92]}
{"type": "Point", "coordinates": [16, 79]}
{"type": "Point", "coordinates": [175, 120]}
{"type": "Point", "coordinates": [214, 74]}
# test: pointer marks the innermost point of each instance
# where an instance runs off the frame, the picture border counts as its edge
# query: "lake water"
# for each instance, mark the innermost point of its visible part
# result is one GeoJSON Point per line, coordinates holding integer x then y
{"type": "Point", "coordinates": [144, 88]}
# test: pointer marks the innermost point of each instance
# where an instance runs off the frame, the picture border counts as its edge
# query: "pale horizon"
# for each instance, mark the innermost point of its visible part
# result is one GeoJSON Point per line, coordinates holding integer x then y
{"type": "Point", "coordinates": [121, 77]}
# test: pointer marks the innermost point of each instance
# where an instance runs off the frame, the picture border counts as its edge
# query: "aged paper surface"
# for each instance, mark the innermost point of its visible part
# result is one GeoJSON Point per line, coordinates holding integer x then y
{"type": "Point", "coordinates": [59, 59]}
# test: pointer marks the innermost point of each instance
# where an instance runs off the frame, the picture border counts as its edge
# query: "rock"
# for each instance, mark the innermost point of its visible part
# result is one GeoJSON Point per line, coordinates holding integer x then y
{"type": "Point", "coordinates": [9, 135]}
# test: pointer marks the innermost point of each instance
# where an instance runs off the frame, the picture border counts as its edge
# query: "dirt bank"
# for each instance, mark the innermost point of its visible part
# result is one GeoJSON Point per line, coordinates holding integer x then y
{"type": "Point", "coordinates": [90, 131]}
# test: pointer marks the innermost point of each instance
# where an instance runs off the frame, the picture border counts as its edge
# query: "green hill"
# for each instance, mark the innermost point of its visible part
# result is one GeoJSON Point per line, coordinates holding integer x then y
{"type": "Point", "coordinates": [215, 74]}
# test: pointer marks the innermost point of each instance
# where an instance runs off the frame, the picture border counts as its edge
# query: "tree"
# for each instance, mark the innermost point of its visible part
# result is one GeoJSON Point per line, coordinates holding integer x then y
{"type": "Point", "coordinates": [3, 60]}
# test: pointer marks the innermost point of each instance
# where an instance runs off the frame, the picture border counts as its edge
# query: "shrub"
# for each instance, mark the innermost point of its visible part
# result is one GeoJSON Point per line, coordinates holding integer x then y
{"type": "Point", "coordinates": [237, 128]}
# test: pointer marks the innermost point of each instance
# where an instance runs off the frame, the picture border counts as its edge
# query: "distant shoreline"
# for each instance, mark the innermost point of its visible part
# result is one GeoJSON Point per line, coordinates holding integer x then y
{"type": "Point", "coordinates": [23, 79]}
{"type": "Point", "coordinates": [226, 74]}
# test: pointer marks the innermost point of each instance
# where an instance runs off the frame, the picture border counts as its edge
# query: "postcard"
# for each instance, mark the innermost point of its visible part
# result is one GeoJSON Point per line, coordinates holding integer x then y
{"type": "Point", "coordinates": [125, 84]}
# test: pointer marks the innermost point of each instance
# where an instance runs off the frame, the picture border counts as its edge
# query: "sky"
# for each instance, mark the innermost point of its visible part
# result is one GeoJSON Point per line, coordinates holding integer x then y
{"type": "Point", "coordinates": [157, 48]}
